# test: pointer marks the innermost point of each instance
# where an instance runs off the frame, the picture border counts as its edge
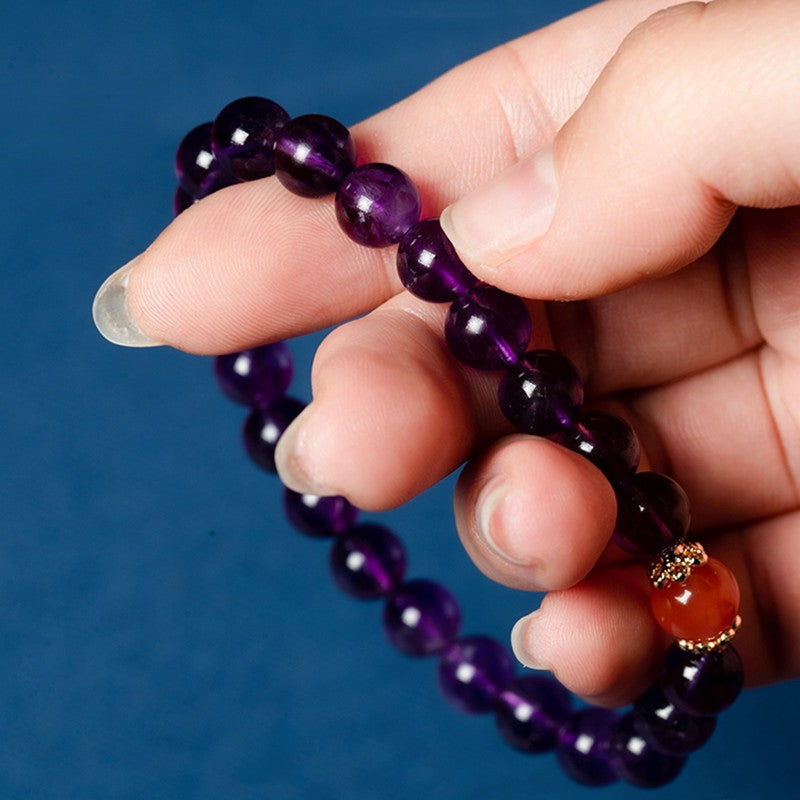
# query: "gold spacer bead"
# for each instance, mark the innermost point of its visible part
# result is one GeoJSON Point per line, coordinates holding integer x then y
{"type": "Point", "coordinates": [719, 642]}
{"type": "Point", "coordinates": [675, 565]}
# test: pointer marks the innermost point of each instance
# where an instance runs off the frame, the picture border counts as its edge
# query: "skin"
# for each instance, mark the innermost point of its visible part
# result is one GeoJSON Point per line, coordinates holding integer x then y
{"type": "Point", "coordinates": [676, 238]}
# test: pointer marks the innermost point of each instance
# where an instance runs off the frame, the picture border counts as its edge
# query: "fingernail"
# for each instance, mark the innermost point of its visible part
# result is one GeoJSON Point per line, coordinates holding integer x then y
{"type": "Point", "coordinates": [293, 461]}
{"type": "Point", "coordinates": [110, 311]}
{"type": "Point", "coordinates": [524, 644]}
{"type": "Point", "coordinates": [490, 525]}
{"type": "Point", "coordinates": [503, 217]}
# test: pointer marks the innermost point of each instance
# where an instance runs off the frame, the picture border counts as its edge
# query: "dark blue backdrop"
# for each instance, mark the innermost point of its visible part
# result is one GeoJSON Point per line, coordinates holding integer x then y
{"type": "Point", "coordinates": [163, 633]}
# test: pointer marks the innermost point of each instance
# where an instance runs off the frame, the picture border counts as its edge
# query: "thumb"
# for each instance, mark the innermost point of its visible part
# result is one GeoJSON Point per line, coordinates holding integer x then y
{"type": "Point", "coordinates": [695, 115]}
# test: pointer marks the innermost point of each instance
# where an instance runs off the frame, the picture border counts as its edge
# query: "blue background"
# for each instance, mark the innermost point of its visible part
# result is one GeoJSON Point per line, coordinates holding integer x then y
{"type": "Point", "coordinates": [163, 633]}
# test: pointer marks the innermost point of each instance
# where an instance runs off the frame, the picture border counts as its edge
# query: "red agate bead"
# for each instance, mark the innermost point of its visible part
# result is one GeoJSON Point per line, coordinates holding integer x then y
{"type": "Point", "coordinates": [701, 607]}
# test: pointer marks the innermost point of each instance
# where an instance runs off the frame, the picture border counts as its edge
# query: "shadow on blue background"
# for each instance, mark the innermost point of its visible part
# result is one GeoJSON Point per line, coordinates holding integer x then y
{"type": "Point", "coordinates": [163, 632]}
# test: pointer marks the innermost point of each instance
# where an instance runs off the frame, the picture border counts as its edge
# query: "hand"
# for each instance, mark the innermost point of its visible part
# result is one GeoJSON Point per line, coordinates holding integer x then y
{"type": "Point", "coordinates": [658, 200]}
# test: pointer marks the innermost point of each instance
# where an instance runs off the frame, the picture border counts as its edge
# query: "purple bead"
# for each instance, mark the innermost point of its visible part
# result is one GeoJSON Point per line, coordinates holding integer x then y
{"type": "Point", "coordinates": [243, 136]}
{"type": "Point", "coordinates": [702, 684]}
{"type": "Point", "coordinates": [265, 426]}
{"type": "Point", "coordinates": [531, 709]}
{"type": "Point", "coordinates": [196, 168]}
{"type": "Point", "coordinates": [582, 746]}
{"type": "Point", "coordinates": [313, 153]}
{"type": "Point", "coordinates": [181, 200]}
{"type": "Point", "coordinates": [368, 561]}
{"type": "Point", "coordinates": [668, 729]}
{"type": "Point", "coordinates": [542, 393]}
{"type": "Point", "coordinates": [255, 377]}
{"type": "Point", "coordinates": [421, 618]}
{"type": "Point", "coordinates": [608, 442]}
{"type": "Point", "coordinates": [652, 514]}
{"type": "Point", "coordinates": [488, 328]}
{"type": "Point", "coordinates": [428, 265]}
{"type": "Point", "coordinates": [319, 517]}
{"type": "Point", "coordinates": [376, 204]}
{"type": "Point", "coordinates": [473, 671]}
{"type": "Point", "coordinates": [636, 761]}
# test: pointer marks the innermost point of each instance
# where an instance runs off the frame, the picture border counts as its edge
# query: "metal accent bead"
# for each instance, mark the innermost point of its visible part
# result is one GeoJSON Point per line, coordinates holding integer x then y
{"type": "Point", "coordinates": [719, 642]}
{"type": "Point", "coordinates": [675, 565]}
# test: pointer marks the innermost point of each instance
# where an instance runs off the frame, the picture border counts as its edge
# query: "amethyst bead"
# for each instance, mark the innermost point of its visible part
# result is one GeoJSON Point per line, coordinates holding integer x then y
{"type": "Point", "coordinates": [196, 168]}
{"type": "Point", "coordinates": [265, 426]}
{"type": "Point", "coordinates": [368, 561]}
{"type": "Point", "coordinates": [530, 711]}
{"type": "Point", "coordinates": [487, 328]}
{"type": "Point", "coordinates": [313, 153]}
{"type": "Point", "coordinates": [429, 266]}
{"type": "Point", "coordinates": [668, 729]}
{"type": "Point", "coordinates": [421, 618]}
{"type": "Point", "coordinates": [319, 517]}
{"type": "Point", "coordinates": [473, 671]}
{"type": "Point", "coordinates": [542, 393]}
{"type": "Point", "coordinates": [608, 442]}
{"type": "Point", "coordinates": [582, 746]}
{"type": "Point", "coordinates": [243, 135]}
{"type": "Point", "coordinates": [702, 684]}
{"type": "Point", "coordinates": [636, 761]}
{"type": "Point", "coordinates": [181, 200]}
{"type": "Point", "coordinates": [376, 204]}
{"type": "Point", "coordinates": [652, 514]}
{"type": "Point", "coordinates": [255, 377]}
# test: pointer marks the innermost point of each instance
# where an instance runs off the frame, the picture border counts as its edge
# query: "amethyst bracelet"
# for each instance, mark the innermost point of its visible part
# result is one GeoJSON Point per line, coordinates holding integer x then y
{"type": "Point", "coordinates": [695, 598]}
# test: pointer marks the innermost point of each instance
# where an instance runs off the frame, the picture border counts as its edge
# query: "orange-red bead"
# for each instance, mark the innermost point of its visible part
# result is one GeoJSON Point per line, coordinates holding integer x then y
{"type": "Point", "coordinates": [702, 606]}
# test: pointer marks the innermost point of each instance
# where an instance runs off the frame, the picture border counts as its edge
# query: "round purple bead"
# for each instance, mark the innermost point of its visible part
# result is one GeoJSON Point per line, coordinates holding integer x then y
{"type": "Point", "coordinates": [473, 671]}
{"type": "Point", "coordinates": [636, 761]}
{"type": "Point", "coordinates": [265, 426]}
{"type": "Point", "coordinates": [652, 514]}
{"type": "Point", "coordinates": [255, 377]}
{"type": "Point", "coordinates": [368, 561]}
{"type": "Point", "coordinates": [487, 328]}
{"type": "Point", "coordinates": [530, 711]}
{"type": "Point", "coordinates": [541, 393]}
{"type": "Point", "coordinates": [429, 266]}
{"type": "Point", "coordinates": [313, 153]}
{"type": "Point", "coordinates": [196, 168]}
{"type": "Point", "coordinates": [421, 618]}
{"type": "Point", "coordinates": [668, 729]}
{"type": "Point", "coordinates": [376, 204]}
{"type": "Point", "coordinates": [181, 200]}
{"type": "Point", "coordinates": [608, 442]}
{"type": "Point", "coordinates": [702, 684]}
{"type": "Point", "coordinates": [582, 746]}
{"type": "Point", "coordinates": [319, 517]}
{"type": "Point", "coordinates": [243, 135]}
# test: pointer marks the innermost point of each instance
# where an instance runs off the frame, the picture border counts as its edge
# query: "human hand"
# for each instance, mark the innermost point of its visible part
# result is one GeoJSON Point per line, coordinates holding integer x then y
{"type": "Point", "coordinates": [681, 318]}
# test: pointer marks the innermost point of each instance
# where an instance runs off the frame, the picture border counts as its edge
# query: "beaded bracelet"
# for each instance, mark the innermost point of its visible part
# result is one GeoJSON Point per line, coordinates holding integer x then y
{"type": "Point", "coordinates": [694, 598]}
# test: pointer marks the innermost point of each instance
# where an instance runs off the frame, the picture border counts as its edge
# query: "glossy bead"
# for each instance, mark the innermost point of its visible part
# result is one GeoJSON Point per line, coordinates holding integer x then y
{"type": "Point", "coordinates": [608, 442]}
{"type": "Point", "coordinates": [265, 426]}
{"type": "Point", "coordinates": [652, 514]}
{"type": "Point", "coordinates": [668, 729]}
{"type": "Point", "coordinates": [376, 204]}
{"type": "Point", "coordinates": [702, 684]}
{"type": "Point", "coordinates": [582, 746]}
{"type": "Point", "coordinates": [541, 393]}
{"type": "Point", "coordinates": [243, 136]}
{"type": "Point", "coordinates": [368, 561]}
{"type": "Point", "coordinates": [473, 671]}
{"type": "Point", "coordinates": [530, 711]}
{"type": "Point", "coordinates": [319, 517]}
{"type": "Point", "coordinates": [313, 153]}
{"type": "Point", "coordinates": [636, 761]}
{"type": "Point", "coordinates": [421, 618]}
{"type": "Point", "coordinates": [197, 170]}
{"type": "Point", "coordinates": [702, 606]}
{"type": "Point", "coordinates": [487, 328]}
{"type": "Point", "coordinates": [255, 377]}
{"type": "Point", "coordinates": [181, 200]}
{"type": "Point", "coordinates": [429, 266]}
